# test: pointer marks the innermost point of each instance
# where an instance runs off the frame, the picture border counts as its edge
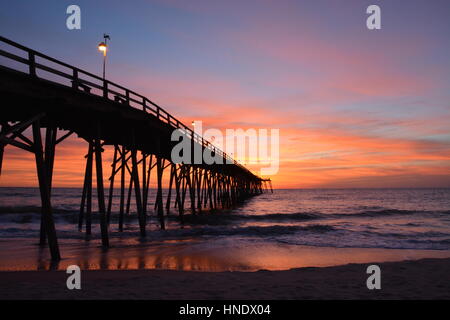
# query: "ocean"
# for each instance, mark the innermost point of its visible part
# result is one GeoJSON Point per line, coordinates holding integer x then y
{"type": "Point", "coordinates": [275, 231]}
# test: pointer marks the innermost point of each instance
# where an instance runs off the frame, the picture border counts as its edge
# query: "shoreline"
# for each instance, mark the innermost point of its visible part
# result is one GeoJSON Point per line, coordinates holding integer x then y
{"type": "Point", "coordinates": [410, 279]}
{"type": "Point", "coordinates": [189, 255]}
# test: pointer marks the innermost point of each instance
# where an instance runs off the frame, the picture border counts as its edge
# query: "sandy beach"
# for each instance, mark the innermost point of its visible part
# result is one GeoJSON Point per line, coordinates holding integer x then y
{"type": "Point", "coordinates": [422, 279]}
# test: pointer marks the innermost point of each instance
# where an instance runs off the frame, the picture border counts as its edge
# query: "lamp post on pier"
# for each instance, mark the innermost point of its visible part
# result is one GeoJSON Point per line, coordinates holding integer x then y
{"type": "Point", "coordinates": [103, 47]}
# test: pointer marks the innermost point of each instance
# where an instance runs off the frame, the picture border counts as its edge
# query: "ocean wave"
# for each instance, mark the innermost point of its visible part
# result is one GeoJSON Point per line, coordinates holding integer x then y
{"type": "Point", "coordinates": [250, 231]}
{"type": "Point", "coordinates": [70, 215]}
{"type": "Point", "coordinates": [418, 235]}
{"type": "Point", "coordinates": [388, 212]}
{"type": "Point", "coordinates": [31, 209]}
{"type": "Point", "coordinates": [262, 231]}
{"type": "Point", "coordinates": [382, 212]}
{"type": "Point", "coordinates": [223, 218]}
{"type": "Point", "coordinates": [436, 242]}
{"type": "Point", "coordinates": [299, 216]}
{"type": "Point", "coordinates": [19, 209]}
{"type": "Point", "coordinates": [13, 233]}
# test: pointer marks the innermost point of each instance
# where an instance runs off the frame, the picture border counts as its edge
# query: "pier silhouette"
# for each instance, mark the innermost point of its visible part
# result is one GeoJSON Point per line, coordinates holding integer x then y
{"type": "Point", "coordinates": [43, 92]}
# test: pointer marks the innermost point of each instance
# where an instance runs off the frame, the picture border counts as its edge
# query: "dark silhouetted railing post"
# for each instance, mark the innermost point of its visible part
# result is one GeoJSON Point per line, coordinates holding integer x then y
{"type": "Point", "coordinates": [32, 63]}
{"type": "Point", "coordinates": [105, 89]}
{"type": "Point", "coordinates": [75, 79]}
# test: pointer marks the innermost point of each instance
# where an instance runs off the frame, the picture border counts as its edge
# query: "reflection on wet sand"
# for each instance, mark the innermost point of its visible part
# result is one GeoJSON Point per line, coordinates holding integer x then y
{"type": "Point", "coordinates": [142, 260]}
{"type": "Point", "coordinates": [190, 255]}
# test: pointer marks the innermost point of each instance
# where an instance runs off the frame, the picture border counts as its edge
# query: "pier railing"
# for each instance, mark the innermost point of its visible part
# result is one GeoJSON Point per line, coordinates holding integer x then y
{"type": "Point", "coordinates": [93, 84]}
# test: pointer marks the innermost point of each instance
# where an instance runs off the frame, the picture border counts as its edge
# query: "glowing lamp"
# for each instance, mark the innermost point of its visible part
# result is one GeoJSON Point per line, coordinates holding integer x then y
{"type": "Point", "coordinates": [103, 47]}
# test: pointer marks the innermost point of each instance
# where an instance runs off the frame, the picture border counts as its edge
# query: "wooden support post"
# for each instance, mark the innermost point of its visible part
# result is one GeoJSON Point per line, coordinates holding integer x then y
{"type": "Point", "coordinates": [191, 184]}
{"type": "Point", "coordinates": [144, 183]}
{"type": "Point", "coordinates": [198, 186]}
{"type": "Point", "coordinates": [83, 200]}
{"type": "Point", "coordinates": [205, 191]}
{"type": "Point", "coordinates": [111, 184]}
{"type": "Point", "coordinates": [50, 145]}
{"type": "Point", "coordinates": [147, 185]}
{"type": "Point", "coordinates": [224, 191]}
{"type": "Point", "coordinates": [178, 198]}
{"type": "Point", "coordinates": [130, 189]}
{"type": "Point", "coordinates": [210, 190]}
{"type": "Point", "coordinates": [49, 159]}
{"type": "Point", "coordinates": [232, 191]}
{"type": "Point", "coordinates": [44, 184]}
{"type": "Point", "coordinates": [86, 197]}
{"type": "Point", "coordinates": [203, 188]}
{"type": "Point", "coordinates": [219, 198]}
{"type": "Point", "coordinates": [159, 198]}
{"type": "Point", "coordinates": [228, 200]}
{"type": "Point", "coordinates": [122, 190]}
{"type": "Point", "coordinates": [2, 148]}
{"type": "Point", "coordinates": [221, 191]}
{"type": "Point", "coordinates": [183, 184]}
{"type": "Point", "coordinates": [101, 192]}
{"type": "Point", "coordinates": [137, 190]}
{"type": "Point", "coordinates": [177, 187]}
{"type": "Point", "coordinates": [214, 190]}
{"type": "Point", "coordinates": [172, 175]}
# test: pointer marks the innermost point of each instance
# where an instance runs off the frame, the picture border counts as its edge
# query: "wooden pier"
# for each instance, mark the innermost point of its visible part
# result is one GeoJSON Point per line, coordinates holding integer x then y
{"type": "Point", "coordinates": [58, 97]}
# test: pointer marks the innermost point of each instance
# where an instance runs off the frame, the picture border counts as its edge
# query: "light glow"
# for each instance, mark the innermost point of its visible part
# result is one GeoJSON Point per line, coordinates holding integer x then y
{"type": "Point", "coordinates": [103, 47]}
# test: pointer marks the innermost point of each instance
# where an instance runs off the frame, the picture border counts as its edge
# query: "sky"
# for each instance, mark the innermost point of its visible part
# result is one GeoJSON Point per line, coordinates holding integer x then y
{"type": "Point", "coordinates": [355, 107]}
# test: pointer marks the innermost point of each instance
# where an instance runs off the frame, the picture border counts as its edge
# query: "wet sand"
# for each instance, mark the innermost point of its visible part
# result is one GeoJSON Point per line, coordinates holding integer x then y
{"type": "Point", "coordinates": [191, 255]}
{"type": "Point", "coordinates": [421, 279]}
